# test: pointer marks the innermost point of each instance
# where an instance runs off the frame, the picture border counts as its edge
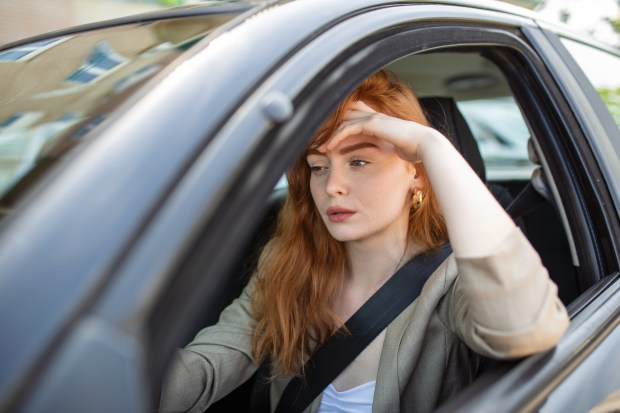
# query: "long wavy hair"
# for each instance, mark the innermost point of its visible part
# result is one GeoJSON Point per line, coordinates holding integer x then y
{"type": "Point", "coordinates": [301, 268]}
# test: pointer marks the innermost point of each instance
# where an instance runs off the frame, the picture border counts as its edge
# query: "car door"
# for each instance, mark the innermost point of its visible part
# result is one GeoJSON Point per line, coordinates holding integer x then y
{"type": "Point", "coordinates": [311, 82]}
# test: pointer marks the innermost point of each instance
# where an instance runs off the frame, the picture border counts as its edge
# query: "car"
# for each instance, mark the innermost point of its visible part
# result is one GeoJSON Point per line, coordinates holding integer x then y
{"type": "Point", "coordinates": [141, 164]}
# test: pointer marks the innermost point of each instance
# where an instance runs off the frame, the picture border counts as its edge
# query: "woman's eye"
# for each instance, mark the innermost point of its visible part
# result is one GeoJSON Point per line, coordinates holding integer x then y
{"type": "Point", "coordinates": [359, 162]}
{"type": "Point", "coordinates": [317, 169]}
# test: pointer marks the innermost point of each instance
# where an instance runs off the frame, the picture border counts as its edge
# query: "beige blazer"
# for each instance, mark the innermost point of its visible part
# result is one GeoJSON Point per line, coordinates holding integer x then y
{"type": "Point", "coordinates": [502, 305]}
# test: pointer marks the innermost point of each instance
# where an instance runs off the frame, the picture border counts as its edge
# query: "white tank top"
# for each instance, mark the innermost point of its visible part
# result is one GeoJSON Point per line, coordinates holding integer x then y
{"type": "Point", "coordinates": [355, 400]}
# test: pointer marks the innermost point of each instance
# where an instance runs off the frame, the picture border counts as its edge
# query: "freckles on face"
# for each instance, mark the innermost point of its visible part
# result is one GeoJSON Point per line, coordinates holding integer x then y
{"type": "Point", "coordinates": [360, 188]}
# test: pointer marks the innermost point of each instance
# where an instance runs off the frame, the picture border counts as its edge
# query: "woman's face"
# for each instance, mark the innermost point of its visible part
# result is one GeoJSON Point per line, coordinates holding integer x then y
{"type": "Point", "coordinates": [362, 189]}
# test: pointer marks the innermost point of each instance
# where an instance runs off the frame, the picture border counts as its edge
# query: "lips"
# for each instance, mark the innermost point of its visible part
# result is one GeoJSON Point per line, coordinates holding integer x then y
{"type": "Point", "coordinates": [338, 214]}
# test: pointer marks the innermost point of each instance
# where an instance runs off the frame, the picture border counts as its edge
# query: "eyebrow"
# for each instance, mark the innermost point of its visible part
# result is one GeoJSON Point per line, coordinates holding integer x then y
{"type": "Point", "coordinates": [345, 150]}
{"type": "Point", "coordinates": [357, 146]}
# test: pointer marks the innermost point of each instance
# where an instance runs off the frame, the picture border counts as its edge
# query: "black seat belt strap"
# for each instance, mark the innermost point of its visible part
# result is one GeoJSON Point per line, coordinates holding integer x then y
{"type": "Point", "coordinates": [364, 326]}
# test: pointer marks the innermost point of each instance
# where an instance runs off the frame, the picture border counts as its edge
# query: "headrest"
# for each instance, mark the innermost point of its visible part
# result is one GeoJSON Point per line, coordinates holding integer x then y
{"type": "Point", "coordinates": [444, 115]}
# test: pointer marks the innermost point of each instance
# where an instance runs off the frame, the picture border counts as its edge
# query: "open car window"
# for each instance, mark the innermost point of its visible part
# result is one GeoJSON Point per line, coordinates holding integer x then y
{"type": "Point", "coordinates": [493, 116]}
{"type": "Point", "coordinates": [490, 79]}
{"type": "Point", "coordinates": [484, 99]}
{"type": "Point", "coordinates": [501, 131]}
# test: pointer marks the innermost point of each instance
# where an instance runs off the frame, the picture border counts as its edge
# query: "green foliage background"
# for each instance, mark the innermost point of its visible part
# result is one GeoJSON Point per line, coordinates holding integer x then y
{"type": "Point", "coordinates": [611, 97]}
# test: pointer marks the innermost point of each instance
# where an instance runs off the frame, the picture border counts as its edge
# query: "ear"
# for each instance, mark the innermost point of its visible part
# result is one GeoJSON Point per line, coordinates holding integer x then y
{"type": "Point", "coordinates": [416, 181]}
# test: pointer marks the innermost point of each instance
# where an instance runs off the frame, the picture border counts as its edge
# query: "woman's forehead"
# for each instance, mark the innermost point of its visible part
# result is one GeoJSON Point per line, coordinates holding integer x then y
{"type": "Point", "coordinates": [353, 143]}
{"type": "Point", "coordinates": [358, 141]}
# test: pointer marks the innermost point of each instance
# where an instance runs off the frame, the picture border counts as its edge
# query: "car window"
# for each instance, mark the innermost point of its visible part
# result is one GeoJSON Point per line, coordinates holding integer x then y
{"type": "Point", "coordinates": [496, 118]}
{"type": "Point", "coordinates": [282, 183]}
{"type": "Point", "coordinates": [55, 91]}
{"type": "Point", "coordinates": [432, 74]}
{"type": "Point", "coordinates": [602, 70]}
{"type": "Point", "coordinates": [502, 135]}
{"type": "Point", "coordinates": [485, 100]}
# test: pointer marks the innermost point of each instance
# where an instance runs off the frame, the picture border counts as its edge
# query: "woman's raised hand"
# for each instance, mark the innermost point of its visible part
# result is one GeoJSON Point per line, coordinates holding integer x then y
{"type": "Point", "coordinates": [476, 222]}
{"type": "Point", "coordinates": [408, 138]}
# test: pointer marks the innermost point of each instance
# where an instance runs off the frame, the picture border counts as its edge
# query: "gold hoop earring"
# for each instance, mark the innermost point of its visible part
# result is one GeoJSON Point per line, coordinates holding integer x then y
{"type": "Point", "coordinates": [418, 197]}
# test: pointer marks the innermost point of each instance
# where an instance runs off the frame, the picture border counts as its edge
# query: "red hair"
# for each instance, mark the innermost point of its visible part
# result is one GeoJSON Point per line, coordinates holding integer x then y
{"type": "Point", "coordinates": [301, 268]}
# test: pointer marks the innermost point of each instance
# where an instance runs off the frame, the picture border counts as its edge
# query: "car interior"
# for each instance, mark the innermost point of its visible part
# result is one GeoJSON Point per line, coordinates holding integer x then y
{"type": "Point", "coordinates": [467, 98]}
{"type": "Point", "coordinates": [448, 85]}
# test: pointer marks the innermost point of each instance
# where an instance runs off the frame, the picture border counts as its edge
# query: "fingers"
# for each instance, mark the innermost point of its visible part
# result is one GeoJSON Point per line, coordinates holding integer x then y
{"type": "Point", "coordinates": [357, 110]}
{"type": "Point", "coordinates": [356, 120]}
{"type": "Point", "coordinates": [354, 126]}
{"type": "Point", "coordinates": [361, 119]}
{"type": "Point", "coordinates": [361, 106]}
{"type": "Point", "coordinates": [408, 138]}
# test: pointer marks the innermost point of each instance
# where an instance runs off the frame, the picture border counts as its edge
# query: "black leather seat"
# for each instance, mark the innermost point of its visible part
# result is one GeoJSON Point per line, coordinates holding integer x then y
{"type": "Point", "coordinates": [444, 115]}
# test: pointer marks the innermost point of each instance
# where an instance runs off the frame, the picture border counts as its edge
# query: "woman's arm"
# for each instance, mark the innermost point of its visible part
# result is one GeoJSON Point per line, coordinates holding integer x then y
{"type": "Point", "coordinates": [504, 304]}
{"type": "Point", "coordinates": [217, 361]}
{"type": "Point", "coordinates": [476, 222]}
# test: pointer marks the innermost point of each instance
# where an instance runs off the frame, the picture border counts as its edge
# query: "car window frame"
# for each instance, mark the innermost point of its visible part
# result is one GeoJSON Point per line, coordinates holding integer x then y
{"type": "Point", "coordinates": [592, 295]}
{"type": "Point", "coordinates": [313, 101]}
{"type": "Point", "coordinates": [600, 145]}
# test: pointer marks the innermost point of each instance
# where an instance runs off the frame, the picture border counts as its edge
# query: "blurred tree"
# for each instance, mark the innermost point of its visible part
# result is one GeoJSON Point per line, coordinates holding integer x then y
{"type": "Point", "coordinates": [565, 15]}
{"type": "Point", "coordinates": [529, 4]}
{"type": "Point", "coordinates": [611, 97]}
{"type": "Point", "coordinates": [537, 3]}
{"type": "Point", "coordinates": [615, 22]}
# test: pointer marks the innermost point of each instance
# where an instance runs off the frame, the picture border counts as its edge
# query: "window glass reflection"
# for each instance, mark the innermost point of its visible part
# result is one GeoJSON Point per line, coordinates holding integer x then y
{"type": "Point", "coordinates": [54, 92]}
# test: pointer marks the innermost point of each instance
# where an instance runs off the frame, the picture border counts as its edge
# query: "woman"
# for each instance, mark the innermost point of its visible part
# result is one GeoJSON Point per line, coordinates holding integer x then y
{"type": "Point", "coordinates": [375, 188]}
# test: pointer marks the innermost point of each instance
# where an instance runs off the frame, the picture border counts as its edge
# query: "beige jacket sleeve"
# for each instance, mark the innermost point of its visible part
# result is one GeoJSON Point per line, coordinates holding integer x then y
{"type": "Point", "coordinates": [505, 305]}
{"type": "Point", "coordinates": [218, 360]}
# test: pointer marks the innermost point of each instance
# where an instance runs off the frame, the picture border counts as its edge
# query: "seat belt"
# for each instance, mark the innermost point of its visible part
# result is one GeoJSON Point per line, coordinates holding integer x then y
{"type": "Point", "coordinates": [364, 326]}
{"type": "Point", "coordinates": [533, 195]}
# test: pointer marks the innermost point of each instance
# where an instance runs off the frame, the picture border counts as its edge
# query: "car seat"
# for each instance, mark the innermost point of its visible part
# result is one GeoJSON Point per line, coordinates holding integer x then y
{"type": "Point", "coordinates": [532, 208]}
{"type": "Point", "coordinates": [444, 115]}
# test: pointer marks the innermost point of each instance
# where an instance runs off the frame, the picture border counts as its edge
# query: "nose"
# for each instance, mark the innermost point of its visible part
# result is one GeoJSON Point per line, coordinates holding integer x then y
{"type": "Point", "coordinates": [336, 184]}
